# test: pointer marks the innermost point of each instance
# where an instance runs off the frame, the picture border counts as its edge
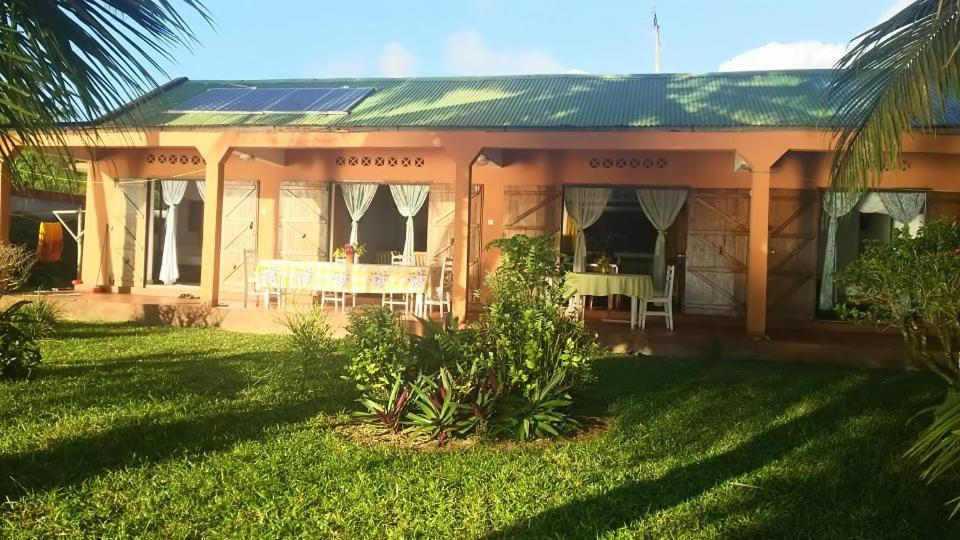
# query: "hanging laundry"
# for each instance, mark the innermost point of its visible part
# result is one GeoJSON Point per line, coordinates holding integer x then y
{"type": "Point", "coordinates": [50, 242]}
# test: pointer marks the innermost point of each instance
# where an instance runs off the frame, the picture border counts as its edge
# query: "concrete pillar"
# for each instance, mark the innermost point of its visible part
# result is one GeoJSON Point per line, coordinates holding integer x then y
{"type": "Point", "coordinates": [461, 232]}
{"type": "Point", "coordinates": [6, 180]}
{"type": "Point", "coordinates": [269, 221]}
{"type": "Point", "coordinates": [96, 266]}
{"type": "Point", "coordinates": [212, 225]}
{"type": "Point", "coordinates": [758, 253]}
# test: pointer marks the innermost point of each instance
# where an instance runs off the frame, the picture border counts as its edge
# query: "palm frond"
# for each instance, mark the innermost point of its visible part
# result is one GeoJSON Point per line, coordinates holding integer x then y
{"type": "Point", "coordinates": [898, 77]}
{"type": "Point", "coordinates": [68, 61]}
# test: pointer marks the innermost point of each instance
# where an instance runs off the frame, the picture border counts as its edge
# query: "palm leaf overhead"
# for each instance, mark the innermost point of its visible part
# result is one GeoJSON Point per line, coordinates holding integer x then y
{"type": "Point", "coordinates": [75, 60]}
{"type": "Point", "coordinates": [898, 77]}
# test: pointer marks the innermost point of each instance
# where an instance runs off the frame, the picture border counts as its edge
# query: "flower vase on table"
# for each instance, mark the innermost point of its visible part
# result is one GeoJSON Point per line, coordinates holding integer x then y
{"type": "Point", "coordinates": [349, 253]}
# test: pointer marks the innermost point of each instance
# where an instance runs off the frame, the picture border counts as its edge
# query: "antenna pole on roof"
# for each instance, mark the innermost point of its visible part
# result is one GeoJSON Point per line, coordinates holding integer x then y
{"type": "Point", "coordinates": [656, 43]}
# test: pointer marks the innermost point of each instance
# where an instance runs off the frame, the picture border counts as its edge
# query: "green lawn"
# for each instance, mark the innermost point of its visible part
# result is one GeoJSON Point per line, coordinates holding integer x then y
{"type": "Point", "coordinates": [131, 431]}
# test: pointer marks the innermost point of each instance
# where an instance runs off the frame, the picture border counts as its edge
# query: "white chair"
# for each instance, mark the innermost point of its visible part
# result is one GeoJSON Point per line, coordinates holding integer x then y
{"type": "Point", "coordinates": [387, 300]}
{"type": "Point", "coordinates": [338, 299]}
{"type": "Point", "coordinates": [250, 281]}
{"type": "Point", "coordinates": [662, 298]}
{"type": "Point", "coordinates": [439, 295]}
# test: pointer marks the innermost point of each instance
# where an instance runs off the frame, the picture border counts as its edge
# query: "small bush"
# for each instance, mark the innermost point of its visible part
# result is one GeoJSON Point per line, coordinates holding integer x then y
{"type": "Point", "coordinates": [310, 336]}
{"type": "Point", "coordinates": [378, 351]}
{"type": "Point", "coordinates": [39, 318]}
{"type": "Point", "coordinates": [541, 412]}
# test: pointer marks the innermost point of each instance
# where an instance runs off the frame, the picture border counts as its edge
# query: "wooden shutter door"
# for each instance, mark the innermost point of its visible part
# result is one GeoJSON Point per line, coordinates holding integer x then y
{"type": "Point", "coordinates": [532, 210]}
{"type": "Point", "coordinates": [941, 204]}
{"type": "Point", "coordinates": [717, 243]}
{"type": "Point", "coordinates": [792, 266]}
{"type": "Point", "coordinates": [475, 239]}
{"type": "Point", "coordinates": [304, 225]}
{"type": "Point", "coordinates": [440, 209]}
{"type": "Point", "coordinates": [238, 233]}
{"type": "Point", "coordinates": [128, 234]}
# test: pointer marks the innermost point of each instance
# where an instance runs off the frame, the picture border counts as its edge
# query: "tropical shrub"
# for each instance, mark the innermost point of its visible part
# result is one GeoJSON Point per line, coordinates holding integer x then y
{"type": "Point", "coordinates": [913, 283]}
{"type": "Point", "coordinates": [19, 354]}
{"type": "Point", "coordinates": [531, 338]}
{"type": "Point", "coordinates": [512, 375]}
{"type": "Point", "coordinates": [378, 351]}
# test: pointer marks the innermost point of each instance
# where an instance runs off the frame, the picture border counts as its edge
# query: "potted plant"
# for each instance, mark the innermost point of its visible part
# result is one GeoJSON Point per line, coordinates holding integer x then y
{"type": "Point", "coordinates": [351, 253]}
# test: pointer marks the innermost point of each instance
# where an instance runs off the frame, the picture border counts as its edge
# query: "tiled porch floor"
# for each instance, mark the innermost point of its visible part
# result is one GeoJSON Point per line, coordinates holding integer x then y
{"type": "Point", "coordinates": [701, 337]}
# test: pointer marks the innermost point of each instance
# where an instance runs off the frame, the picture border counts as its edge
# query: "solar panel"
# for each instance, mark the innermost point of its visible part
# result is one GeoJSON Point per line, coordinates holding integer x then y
{"type": "Point", "coordinates": [212, 100]}
{"type": "Point", "coordinates": [299, 100]}
{"type": "Point", "coordinates": [275, 100]}
{"type": "Point", "coordinates": [341, 100]}
{"type": "Point", "coordinates": [256, 99]}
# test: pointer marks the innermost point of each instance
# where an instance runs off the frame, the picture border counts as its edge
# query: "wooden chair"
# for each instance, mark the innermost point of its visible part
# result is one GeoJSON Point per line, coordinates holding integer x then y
{"type": "Point", "coordinates": [439, 295]}
{"type": "Point", "coordinates": [387, 300]}
{"type": "Point", "coordinates": [250, 281]}
{"type": "Point", "coordinates": [662, 298]}
{"type": "Point", "coordinates": [338, 299]}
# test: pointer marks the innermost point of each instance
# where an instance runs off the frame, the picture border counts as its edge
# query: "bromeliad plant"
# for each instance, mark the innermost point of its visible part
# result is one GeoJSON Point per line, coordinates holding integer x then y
{"type": "Point", "coordinates": [387, 413]}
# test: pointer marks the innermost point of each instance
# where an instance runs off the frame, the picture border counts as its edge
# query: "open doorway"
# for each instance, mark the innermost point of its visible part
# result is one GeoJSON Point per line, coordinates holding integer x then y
{"type": "Point", "coordinates": [382, 229]}
{"type": "Point", "coordinates": [622, 234]}
{"type": "Point", "coordinates": [181, 250]}
{"type": "Point", "coordinates": [870, 222]}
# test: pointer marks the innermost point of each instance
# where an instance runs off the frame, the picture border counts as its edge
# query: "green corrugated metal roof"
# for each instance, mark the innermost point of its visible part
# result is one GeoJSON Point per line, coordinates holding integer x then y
{"type": "Point", "coordinates": [668, 101]}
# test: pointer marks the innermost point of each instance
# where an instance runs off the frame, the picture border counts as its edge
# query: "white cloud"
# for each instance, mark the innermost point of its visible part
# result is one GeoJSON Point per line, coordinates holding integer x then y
{"type": "Point", "coordinates": [795, 55]}
{"type": "Point", "coordinates": [396, 61]}
{"type": "Point", "coordinates": [466, 53]}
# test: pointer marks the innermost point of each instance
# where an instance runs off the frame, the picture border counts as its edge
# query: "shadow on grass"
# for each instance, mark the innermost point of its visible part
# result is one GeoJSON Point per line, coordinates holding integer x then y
{"type": "Point", "coordinates": [143, 440]}
{"type": "Point", "coordinates": [663, 386]}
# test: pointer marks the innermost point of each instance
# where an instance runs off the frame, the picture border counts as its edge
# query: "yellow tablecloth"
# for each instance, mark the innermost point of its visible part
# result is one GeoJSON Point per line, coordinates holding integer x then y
{"type": "Point", "coordinates": [309, 276]}
{"type": "Point", "coordinates": [595, 284]}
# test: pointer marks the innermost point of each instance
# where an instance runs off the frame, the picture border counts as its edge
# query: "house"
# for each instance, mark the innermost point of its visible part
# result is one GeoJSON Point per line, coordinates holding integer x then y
{"type": "Point", "coordinates": [268, 164]}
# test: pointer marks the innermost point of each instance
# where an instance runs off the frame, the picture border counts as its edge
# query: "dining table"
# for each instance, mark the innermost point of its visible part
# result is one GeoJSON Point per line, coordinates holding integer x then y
{"type": "Point", "coordinates": [289, 276]}
{"type": "Point", "coordinates": [639, 287]}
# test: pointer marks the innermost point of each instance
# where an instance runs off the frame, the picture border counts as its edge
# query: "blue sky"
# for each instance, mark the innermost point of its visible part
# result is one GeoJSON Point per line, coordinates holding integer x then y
{"type": "Point", "coordinates": [317, 38]}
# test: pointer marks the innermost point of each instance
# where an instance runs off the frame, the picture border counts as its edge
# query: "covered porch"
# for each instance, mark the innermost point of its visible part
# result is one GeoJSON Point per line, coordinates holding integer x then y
{"type": "Point", "coordinates": [746, 243]}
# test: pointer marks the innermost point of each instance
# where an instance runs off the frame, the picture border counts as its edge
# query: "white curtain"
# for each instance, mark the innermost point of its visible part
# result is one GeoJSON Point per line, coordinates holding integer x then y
{"type": "Point", "coordinates": [835, 205]}
{"type": "Point", "coordinates": [661, 207]}
{"type": "Point", "coordinates": [357, 197]}
{"type": "Point", "coordinates": [202, 189]}
{"type": "Point", "coordinates": [409, 200]}
{"type": "Point", "coordinates": [585, 206]}
{"type": "Point", "coordinates": [172, 191]}
{"type": "Point", "coordinates": [904, 206]}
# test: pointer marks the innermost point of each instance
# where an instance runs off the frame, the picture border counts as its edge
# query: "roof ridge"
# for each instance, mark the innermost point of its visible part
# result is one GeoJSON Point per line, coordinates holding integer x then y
{"type": "Point", "coordinates": [530, 76]}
